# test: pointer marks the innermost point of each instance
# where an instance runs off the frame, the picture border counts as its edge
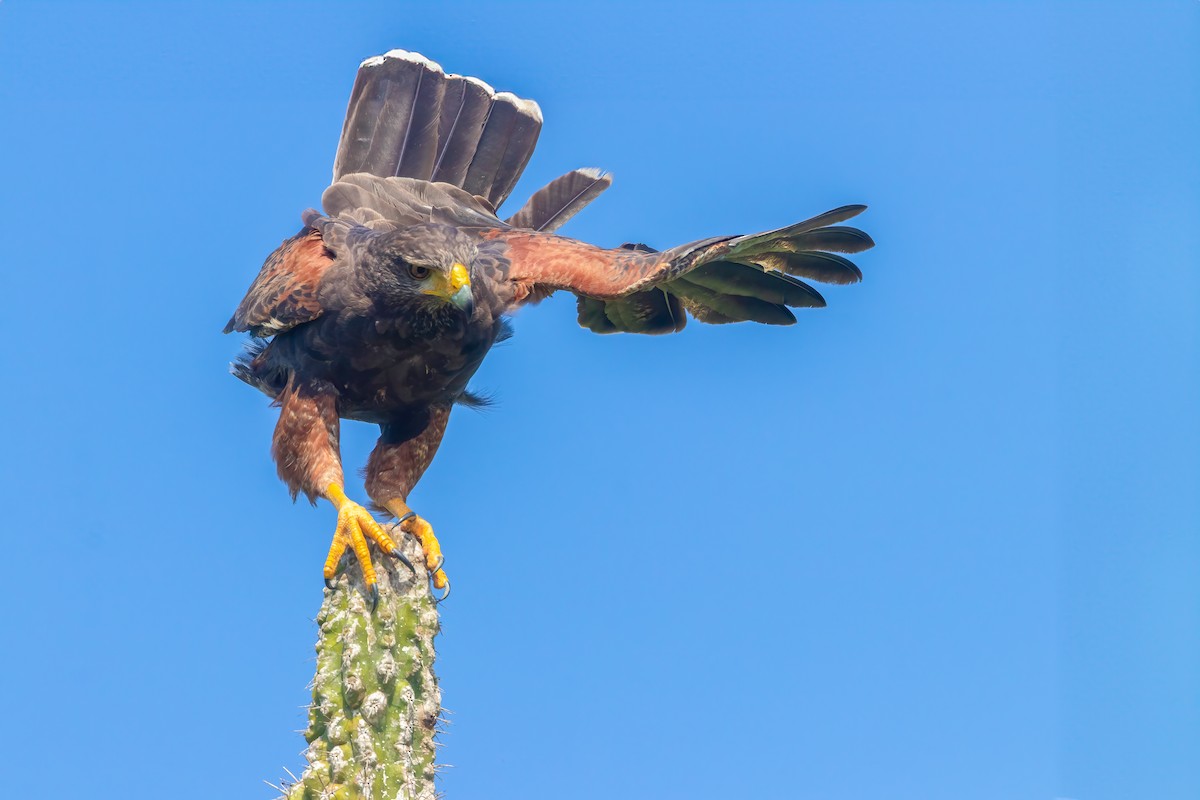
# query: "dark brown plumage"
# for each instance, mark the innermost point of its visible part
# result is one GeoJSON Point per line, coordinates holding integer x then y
{"type": "Point", "coordinates": [383, 307]}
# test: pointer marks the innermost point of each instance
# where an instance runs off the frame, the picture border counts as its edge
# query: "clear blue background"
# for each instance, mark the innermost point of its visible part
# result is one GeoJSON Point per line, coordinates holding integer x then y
{"type": "Point", "coordinates": [939, 540]}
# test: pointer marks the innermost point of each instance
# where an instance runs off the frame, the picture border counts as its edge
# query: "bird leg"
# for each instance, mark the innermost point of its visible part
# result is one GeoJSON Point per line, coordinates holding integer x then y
{"type": "Point", "coordinates": [396, 464]}
{"type": "Point", "coordinates": [305, 448]}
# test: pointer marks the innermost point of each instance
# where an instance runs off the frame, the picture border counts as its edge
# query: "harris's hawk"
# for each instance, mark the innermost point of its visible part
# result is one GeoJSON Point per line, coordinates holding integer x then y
{"type": "Point", "coordinates": [382, 308]}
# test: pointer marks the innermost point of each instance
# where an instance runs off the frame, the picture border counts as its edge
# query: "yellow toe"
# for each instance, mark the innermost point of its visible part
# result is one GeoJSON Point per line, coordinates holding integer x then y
{"type": "Point", "coordinates": [355, 527]}
{"type": "Point", "coordinates": [430, 546]}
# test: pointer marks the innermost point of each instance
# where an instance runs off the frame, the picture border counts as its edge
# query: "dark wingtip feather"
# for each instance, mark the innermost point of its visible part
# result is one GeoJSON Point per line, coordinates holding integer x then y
{"type": "Point", "coordinates": [835, 239]}
{"type": "Point", "coordinates": [836, 215]}
{"type": "Point", "coordinates": [818, 299]}
{"type": "Point", "coordinates": [810, 298]}
{"type": "Point", "coordinates": [824, 267]}
{"type": "Point", "coordinates": [852, 210]}
{"type": "Point", "coordinates": [756, 242]}
{"type": "Point", "coordinates": [728, 306]}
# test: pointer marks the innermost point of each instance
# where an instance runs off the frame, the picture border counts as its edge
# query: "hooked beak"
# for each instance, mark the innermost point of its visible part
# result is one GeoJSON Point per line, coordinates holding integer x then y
{"type": "Point", "coordinates": [456, 288]}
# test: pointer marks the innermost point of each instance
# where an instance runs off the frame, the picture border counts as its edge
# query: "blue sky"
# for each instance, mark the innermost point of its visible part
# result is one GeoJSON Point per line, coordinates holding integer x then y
{"type": "Point", "coordinates": [939, 540]}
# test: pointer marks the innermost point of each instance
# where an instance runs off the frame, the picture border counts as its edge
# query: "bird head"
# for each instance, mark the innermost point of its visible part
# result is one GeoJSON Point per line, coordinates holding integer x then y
{"type": "Point", "coordinates": [426, 264]}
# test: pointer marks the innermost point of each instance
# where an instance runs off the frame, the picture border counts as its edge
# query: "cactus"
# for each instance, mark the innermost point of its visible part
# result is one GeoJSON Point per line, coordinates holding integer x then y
{"type": "Point", "coordinates": [375, 703]}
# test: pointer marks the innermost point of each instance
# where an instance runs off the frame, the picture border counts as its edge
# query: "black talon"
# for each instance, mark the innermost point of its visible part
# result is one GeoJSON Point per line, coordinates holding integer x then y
{"type": "Point", "coordinates": [374, 596]}
{"type": "Point", "coordinates": [406, 517]}
{"type": "Point", "coordinates": [396, 554]}
{"type": "Point", "coordinates": [442, 599]}
{"type": "Point", "coordinates": [329, 584]}
{"type": "Point", "coordinates": [432, 573]}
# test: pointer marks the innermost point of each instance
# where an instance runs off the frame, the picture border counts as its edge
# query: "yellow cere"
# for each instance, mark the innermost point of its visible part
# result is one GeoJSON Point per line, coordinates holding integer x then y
{"type": "Point", "coordinates": [459, 277]}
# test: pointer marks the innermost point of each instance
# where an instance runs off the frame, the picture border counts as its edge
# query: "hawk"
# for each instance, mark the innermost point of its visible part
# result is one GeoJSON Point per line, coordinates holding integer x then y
{"type": "Point", "coordinates": [382, 307]}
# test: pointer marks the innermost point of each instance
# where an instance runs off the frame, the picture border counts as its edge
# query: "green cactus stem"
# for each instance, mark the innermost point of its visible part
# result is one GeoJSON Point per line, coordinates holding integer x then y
{"type": "Point", "coordinates": [375, 703]}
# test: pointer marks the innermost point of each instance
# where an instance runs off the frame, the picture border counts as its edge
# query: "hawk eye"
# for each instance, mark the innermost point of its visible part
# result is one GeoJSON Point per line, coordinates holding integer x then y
{"type": "Point", "coordinates": [420, 273]}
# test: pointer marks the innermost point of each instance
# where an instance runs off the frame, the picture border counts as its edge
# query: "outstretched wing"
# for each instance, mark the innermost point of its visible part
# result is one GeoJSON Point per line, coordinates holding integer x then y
{"type": "Point", "coordinates": [284, 294]}
{"type": "Point", "coordinates": [725, 279]}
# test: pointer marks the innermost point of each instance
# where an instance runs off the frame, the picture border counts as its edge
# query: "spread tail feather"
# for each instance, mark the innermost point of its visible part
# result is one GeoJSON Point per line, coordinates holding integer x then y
{"type": "Point", "coordinates": [408, 118]}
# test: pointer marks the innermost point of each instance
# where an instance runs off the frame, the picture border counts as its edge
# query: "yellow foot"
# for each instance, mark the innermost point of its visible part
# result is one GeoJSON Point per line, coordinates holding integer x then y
{"type": "Point", "coordinates": [355, 526]}
{"type": "Point", "coordinates": [418, 527]}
